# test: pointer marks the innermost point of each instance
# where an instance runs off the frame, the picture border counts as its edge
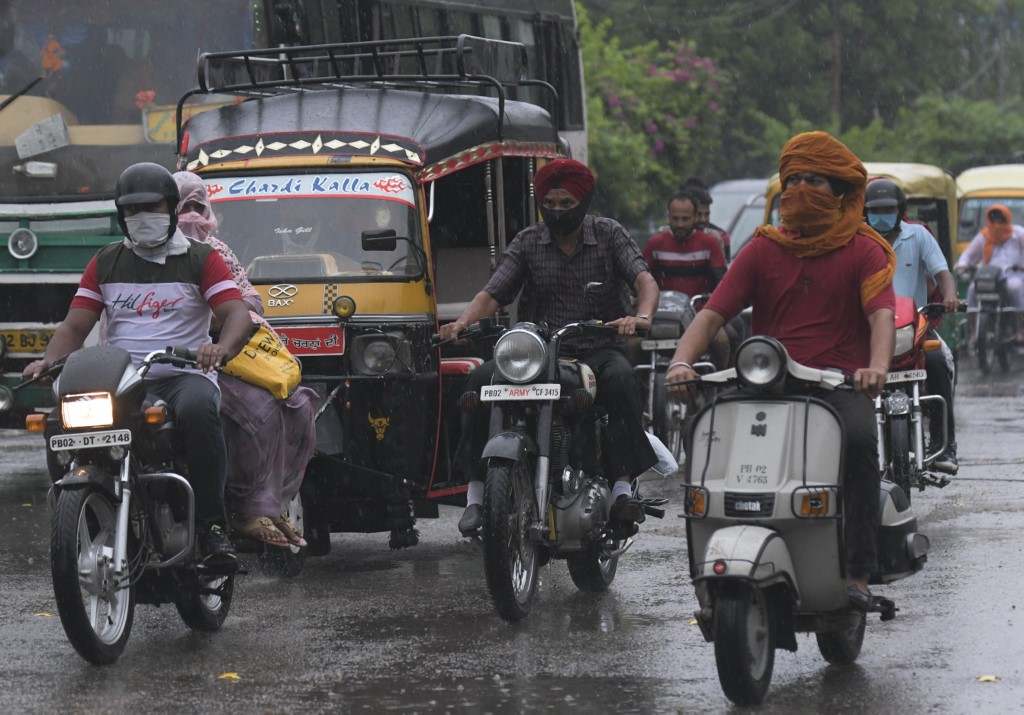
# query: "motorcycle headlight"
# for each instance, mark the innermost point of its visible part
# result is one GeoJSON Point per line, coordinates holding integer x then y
{"type": "Point", "coordinates": [91, 409]}
{"type": "Point", "coordinates": [379, 356]}
{"type": "Point", "coordinates": [904, 340]}
{"type": "Point", "coordinates": [761, 362]}
{"type": "Point", "coordinates": [520, 355]}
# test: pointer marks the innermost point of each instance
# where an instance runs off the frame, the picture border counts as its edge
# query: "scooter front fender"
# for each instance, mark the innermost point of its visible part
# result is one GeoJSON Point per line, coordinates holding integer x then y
{"type": "Point", "coordinates": [749, 553]}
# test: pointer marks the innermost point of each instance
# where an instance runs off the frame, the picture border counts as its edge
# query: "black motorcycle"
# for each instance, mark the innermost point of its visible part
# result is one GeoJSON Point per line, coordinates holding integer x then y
{"type": "Point", "coordinates": [994, 318]}
{"type": "Point", "coordinates": [123, 528]}
{"type": "Point", "coordinates": [546, 493]}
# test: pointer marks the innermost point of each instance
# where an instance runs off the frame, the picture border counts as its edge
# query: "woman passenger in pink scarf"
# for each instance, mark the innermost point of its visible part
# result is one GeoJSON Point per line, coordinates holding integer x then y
{"type": "Point", "coordinates": [269, 441]}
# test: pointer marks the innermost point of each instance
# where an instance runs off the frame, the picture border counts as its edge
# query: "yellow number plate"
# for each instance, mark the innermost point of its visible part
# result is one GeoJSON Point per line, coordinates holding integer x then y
{"type": "Point", "coordinates": [26, 341]}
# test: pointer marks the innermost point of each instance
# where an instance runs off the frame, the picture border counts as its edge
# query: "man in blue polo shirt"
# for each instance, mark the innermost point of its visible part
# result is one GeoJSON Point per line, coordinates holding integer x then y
{"type": "Point", "coordinates": [919, 260]}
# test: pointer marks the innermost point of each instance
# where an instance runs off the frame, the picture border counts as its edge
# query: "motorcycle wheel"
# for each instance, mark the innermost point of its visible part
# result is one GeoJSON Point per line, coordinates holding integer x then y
{"type": "Point", "coordinates": [511, 563]}
{"type": "Point", "coordinates": [202, 610]}
{"type": "Point", "coordinates": [899, 453]}
{"type": "Point", "coordinates": [669, 416]}
{"type": "Point", "coordinates": [744, 644]}
{"type": "Point", "coordinates": [984, 344]}
{"type": "Point", "coordinates": [843, 647]}
{"type": "Point", "coordinates": [317, 529]}
{"type": "Point", "coordinates": [96, 618]}
{"type": "Point", "coordinates": [591, 571]}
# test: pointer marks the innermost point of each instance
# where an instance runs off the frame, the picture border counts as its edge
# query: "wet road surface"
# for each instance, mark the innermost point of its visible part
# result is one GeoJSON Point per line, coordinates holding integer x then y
{"type": "Point", "coordinates": [368, 629]}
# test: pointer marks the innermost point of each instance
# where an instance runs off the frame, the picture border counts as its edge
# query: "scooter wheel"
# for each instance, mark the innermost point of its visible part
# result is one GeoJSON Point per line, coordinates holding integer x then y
{"type": "Point", "coordinates": [744, 644]}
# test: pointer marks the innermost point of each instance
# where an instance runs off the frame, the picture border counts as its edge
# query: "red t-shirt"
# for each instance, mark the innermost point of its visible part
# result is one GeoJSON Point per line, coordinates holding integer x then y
{"type": "Point", "coordinates": [811, 305]}
{"type": "Point", "coordinates": [685, 266]}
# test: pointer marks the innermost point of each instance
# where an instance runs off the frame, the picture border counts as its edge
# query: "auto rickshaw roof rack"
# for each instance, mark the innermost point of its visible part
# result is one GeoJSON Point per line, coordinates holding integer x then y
{"type": "Point", "coordinates": [412, 62]}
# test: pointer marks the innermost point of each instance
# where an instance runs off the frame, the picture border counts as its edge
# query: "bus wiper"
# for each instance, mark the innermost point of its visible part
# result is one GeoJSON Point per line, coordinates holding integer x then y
{"type": "Point", "coordinates": [27, 88]}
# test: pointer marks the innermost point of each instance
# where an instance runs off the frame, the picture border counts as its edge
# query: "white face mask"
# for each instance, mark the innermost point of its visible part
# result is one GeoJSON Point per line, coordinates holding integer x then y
{"type": "Point", "coordinates": [148, 229]}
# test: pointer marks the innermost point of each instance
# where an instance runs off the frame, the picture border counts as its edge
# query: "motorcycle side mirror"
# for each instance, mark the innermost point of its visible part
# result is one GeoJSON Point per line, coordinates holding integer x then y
{"type": "Point", "coordinates": [385, 239]}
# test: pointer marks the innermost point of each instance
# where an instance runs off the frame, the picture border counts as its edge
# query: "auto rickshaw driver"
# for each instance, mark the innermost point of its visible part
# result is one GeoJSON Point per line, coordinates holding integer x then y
{"type": "Point", "coordinates": [551, 275]}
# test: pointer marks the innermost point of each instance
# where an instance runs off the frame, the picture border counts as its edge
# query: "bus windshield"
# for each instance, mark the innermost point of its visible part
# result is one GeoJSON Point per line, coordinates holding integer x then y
{"type": "Point", "coordinates": [106, 60]}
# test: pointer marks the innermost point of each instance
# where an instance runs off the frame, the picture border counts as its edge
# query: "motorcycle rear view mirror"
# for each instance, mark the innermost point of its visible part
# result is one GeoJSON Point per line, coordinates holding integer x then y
{"type": "Point", "coordinates": [385, 239]}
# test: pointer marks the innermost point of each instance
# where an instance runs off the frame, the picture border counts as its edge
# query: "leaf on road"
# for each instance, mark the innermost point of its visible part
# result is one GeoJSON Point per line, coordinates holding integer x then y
{"type": "Point", "coordinates": [43, 614]}
{"type": "Point", "coordinates": [692, 621]}
{"type": "Point", "coordinates": [28, 505]}
{"type": "Point", "coordinates": [231, 677]}
{"type": "Point", "coordinates": [988, 678]}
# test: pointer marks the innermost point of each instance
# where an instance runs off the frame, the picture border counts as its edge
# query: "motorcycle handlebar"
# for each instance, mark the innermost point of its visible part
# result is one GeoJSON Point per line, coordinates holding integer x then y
{"type": "Point", "coordinates": [941, 307]}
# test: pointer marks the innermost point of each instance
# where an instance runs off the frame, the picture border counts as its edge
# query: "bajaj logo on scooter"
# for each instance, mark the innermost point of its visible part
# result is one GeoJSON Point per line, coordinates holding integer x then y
{"type": "Point", "coordinates": [281, 295]}
{"type": "Point", "coordinates": [759, 430]}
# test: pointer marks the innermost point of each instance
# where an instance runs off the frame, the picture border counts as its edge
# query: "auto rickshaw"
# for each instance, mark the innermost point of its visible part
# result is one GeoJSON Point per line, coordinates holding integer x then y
{"type": "Point", "coordinates": [979, 188]}
{"type": "Point", "coordinates": [369, 188]}
{"type": "Point", "coordinates": [931, 200]}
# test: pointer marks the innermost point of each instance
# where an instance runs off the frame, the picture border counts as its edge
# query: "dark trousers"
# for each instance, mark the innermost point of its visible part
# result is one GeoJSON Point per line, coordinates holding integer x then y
{"type": "Point", "coordinates": [195, 403]}
{"type": "Point", "coordinates": [861, 485]}
{"type": "Point", "coordinates": [627, 450]}
{"type": "Point", "coordinates": [940, 382]}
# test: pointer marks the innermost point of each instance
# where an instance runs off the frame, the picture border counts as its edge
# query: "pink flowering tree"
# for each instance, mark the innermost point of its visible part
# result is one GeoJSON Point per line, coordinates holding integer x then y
{"type": "Point", "coordinates": [655, 117]}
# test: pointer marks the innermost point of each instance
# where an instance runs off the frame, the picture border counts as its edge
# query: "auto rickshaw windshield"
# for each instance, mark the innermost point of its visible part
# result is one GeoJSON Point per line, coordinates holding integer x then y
{"type": "Point", "coordinates": [308, 227]}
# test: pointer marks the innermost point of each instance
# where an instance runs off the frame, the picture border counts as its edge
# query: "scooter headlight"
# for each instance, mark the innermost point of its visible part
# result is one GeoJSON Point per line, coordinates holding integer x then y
{"type": "Point", "coordinates": [904, 340]}
{"type": "Point", "coordinates": [761, 362]}
{"type": "Point", "coordinates": [520, 355]}
{"type": "Point", "coordinates": [91, 409]}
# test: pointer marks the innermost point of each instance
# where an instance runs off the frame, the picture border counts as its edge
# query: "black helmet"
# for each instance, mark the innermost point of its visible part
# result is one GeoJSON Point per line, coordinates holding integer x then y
{"type": "Point", "coordinates": [885, 193]}
{"type": "Point", "coordinates": [146, 183]}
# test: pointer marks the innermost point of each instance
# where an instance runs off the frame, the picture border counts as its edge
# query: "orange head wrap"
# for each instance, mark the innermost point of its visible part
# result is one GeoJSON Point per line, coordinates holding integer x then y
{"type": "Point", "coordinates": [996, 234]}
{"type": "Point", "coordinates": [816, 222]}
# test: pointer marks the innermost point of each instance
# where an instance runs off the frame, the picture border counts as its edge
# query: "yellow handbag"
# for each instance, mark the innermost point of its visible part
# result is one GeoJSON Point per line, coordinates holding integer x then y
{"type": "Point", "coordinates": [266, 362]}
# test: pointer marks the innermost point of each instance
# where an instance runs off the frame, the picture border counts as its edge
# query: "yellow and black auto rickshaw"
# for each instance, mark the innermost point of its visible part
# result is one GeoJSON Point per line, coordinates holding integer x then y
{"type": "Point", "coordinates": [369, 188]}
{"type": "Point", "coordinates": [982, 186]}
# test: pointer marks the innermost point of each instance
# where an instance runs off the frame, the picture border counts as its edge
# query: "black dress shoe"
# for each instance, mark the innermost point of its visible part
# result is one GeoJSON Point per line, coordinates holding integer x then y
{"type": "Point", "coordinates": [947, 462]}
{"type": "Point", "coordinates": [218, 553]}
{"type": "Point", "coordinates": [472, 519]}
{"type": "Point", "coordinates": [626, 510]}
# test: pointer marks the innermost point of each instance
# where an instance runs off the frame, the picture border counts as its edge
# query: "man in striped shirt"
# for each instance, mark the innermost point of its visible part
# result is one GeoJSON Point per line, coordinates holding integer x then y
{"type": "Point", "coordinates": [683, 258]}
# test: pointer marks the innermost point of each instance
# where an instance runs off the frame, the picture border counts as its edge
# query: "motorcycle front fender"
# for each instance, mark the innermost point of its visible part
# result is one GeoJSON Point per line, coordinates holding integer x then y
{"type": "Point", "coordinates": [749, 553]}
{"type": "Point", "coordinates": [87, 475]}
{"type": "Point", "coordinates": [514, 446]}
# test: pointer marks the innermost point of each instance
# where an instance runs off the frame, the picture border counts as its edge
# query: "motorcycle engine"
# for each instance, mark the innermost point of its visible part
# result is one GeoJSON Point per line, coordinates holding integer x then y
{"type": "Point", "coordinates": [580, 517]}
{"type": "Point", "coordinates": [171, 534]}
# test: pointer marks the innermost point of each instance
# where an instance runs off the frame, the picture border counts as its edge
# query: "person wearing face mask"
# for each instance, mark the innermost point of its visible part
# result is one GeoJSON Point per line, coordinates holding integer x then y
{"type": "Point", "coordinates": [269, 441]}
{"type": "Point", "coordinates": [548, 266]}
{"type": "Point", "coordinates": [999, 243]}
{"type": "Point", "coordinates": [919, 260]}
{"type": "Point", "coordinates": [158, 288]}
{"type": "Point", "coordinates": [821, 285]}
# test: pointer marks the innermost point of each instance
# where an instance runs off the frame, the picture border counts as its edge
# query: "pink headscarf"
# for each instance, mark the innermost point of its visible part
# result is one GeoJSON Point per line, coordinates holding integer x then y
{"type": "Point", "coordinates": [196, 225]}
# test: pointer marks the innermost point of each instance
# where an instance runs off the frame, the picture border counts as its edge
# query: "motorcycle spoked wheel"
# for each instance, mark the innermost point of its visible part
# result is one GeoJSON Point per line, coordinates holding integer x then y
{"type": "Point", "coordinates": [96, 618]}
{"type": "Point", "coordinates": [669, 418]}
{"type": "Point", "coordinates": [744, 643]}
{"type": "Point", "coordinates": [843, 647]}
{"type": "Point", "coordinates": [899, 453]}
{"type": "Point", "coordinates": [287, 562]}
{"type": "Point", "coordinates": [205, 601]}
{"type": "Point", "coordinates": [592, 571]}
{"type": "Point", "coordinates": [984, 344]}
{"type": "Point", "coordinates": [511, 560]}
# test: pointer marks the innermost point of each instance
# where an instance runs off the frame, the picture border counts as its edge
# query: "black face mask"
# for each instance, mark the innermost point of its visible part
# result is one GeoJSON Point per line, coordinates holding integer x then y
{"type": "Point", "coordinates": [562, 222]}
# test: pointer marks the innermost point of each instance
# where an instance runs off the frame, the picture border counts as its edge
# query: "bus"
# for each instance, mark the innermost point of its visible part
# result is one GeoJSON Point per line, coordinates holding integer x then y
{"type": "Point", "coordinates": [90, 87]}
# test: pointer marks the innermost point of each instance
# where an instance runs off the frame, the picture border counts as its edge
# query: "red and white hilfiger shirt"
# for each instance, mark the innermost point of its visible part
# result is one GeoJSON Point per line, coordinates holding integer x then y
{"type": "Point", "coordinates": [150, 306]}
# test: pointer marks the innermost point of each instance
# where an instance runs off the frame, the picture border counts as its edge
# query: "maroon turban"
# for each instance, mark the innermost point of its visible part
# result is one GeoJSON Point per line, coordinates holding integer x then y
{"type": "Point", "coordinates": [568, 174]}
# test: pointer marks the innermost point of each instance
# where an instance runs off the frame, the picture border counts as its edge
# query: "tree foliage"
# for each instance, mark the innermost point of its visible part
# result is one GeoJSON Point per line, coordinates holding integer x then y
{"type": "Point", "coordinates": [936, 81]}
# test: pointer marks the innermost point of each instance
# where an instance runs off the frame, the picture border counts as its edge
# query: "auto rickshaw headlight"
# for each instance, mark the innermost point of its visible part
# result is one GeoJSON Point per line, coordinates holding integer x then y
{"type": "Point", "coordinates": [379, 356]}
{"type": "Point", "coordinates": [6, 397]}
{"type": "Point", "coordinates": [520, 355]}
{"type": "Point", "coordinates": [343, 307]}
{"type": "Point", "coordinates": [22, 244]}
